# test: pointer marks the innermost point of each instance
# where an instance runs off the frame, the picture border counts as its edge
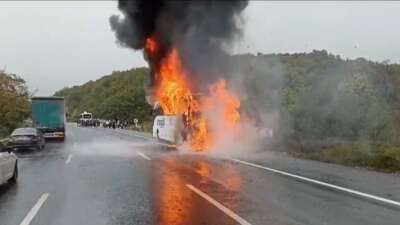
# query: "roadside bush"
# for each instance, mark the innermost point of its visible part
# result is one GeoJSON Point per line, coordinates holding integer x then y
{"type": "Point", "coordinates": [14, 102]}
{"type": "Point", "coordinates": [384, 158]}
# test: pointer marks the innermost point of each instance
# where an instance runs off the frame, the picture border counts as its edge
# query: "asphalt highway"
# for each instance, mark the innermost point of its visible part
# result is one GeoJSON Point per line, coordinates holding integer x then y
{"type": "Point", "coordinates": [113, 177]}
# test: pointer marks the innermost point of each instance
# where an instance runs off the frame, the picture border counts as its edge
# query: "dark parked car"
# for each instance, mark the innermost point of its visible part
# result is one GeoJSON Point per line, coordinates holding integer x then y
{"type": "Point", "coordinates": [27, 138]}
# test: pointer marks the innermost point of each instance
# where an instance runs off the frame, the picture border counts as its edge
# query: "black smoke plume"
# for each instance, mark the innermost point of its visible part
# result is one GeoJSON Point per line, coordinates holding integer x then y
{"type": "Point", "coordinates": [198, 29]}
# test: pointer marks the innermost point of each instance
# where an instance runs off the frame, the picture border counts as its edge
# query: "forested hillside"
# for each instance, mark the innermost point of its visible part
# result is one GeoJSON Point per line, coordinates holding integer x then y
{"type": "Point", "coordinates": [313, 101]}
{"type": "Point", "coordinates": [120, 95]}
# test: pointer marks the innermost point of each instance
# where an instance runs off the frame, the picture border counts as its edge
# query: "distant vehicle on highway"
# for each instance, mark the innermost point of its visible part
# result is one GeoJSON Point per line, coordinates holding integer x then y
{"type": "Point", "coordinates": [48, 114]}
{"type": "Point", "coordinates": [8, 165]}
{"type": "Point", "coordinates": [28, 137]}
{"type": "Point", "coordinates": [86, 120]}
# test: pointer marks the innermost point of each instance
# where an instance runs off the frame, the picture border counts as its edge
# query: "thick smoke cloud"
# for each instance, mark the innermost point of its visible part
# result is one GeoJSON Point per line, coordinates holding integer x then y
{"type": "Point", "coordinates": [138, 23]}
{"type": "Point", "coordinates": [199, 29]}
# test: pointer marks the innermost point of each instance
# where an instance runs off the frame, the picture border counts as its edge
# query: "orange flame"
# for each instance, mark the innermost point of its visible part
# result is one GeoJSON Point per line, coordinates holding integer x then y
{"type": "Point", "coordinates": [201, 138]}
{"type": "Point", "coordinates": [172, 89]}
{"type": "Point", "coordinates": [174, 92]}
{"type": "Point", "coordinates": [151, 46]}
{"type": "Point", "coordinates": [221, 98]}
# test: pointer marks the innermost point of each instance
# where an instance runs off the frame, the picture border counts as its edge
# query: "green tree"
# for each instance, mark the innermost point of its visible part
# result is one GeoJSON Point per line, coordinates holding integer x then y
{"type": "Point", "coordinates": [120, 95]}
{"type": "Point", "coordinates": [14, 102]}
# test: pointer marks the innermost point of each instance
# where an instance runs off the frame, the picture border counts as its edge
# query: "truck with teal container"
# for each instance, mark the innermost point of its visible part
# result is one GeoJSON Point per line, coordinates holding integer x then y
{"type": "Point", "coordinates": [48, 115]}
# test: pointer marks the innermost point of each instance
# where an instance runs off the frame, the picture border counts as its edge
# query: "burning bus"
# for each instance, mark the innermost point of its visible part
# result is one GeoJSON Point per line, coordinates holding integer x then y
{"type": "Point", "coordinates": [196, 119]}
{"type": "Point", "coordinates": [185, 44]}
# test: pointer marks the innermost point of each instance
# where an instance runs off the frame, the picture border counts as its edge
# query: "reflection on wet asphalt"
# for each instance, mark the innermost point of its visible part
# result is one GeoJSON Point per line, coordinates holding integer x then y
{"type": "Point", "coordinates": [174, 203]}
{"type": "Point", "coordinates": [107, 182]}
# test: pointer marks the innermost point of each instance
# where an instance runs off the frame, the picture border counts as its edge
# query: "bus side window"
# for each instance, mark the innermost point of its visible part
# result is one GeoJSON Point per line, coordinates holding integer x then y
{"type": "Point", "coordinates": [160, 122]}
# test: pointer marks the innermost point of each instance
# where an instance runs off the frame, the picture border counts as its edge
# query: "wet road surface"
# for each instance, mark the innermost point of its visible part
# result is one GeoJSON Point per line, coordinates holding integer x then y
{"type": "Point", "coordinates": [100, 176]}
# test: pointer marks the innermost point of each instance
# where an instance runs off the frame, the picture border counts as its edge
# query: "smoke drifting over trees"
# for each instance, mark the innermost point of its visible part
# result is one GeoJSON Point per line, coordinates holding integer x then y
{"type": "Point", "coordinates": [322, 99]}
{"type": "Point", "coordinates": [198, 29]}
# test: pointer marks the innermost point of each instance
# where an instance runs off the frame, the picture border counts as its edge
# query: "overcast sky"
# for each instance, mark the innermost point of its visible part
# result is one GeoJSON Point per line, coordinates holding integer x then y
{"type": "Point", "coordinates": [57, 44]}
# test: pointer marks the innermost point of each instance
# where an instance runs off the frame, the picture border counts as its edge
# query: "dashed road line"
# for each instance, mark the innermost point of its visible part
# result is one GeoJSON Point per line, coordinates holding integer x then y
{"type": "Point", "coordinates": [221, 207]}
{"type": "Point", "coordinates": [68, 159]}
{"type": "Point", "coordinates": [35, 209]}
{"type": "Point", "coordinates": [143, 155]}
{"type": "Point", "coordinates": [347, 190]}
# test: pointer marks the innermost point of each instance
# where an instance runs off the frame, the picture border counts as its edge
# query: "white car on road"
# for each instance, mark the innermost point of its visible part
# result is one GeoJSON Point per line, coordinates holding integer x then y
{"type": "Point", "coordinates": [8, 166]}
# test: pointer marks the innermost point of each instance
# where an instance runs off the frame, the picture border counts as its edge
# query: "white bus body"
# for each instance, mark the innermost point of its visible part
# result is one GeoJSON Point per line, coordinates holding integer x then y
{"type": "Point", "coordinates": [168, 128]}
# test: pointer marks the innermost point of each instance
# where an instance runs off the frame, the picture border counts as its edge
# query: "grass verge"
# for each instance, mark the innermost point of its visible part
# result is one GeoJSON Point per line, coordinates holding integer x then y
{"type": "Point", "coordinates": [379, 157]}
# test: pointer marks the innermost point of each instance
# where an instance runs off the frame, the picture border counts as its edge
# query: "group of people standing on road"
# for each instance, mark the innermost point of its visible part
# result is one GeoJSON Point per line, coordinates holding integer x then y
{"type": "Point", "coordinates": [89, 123]}
{"type": "Point", "coordinates": [122, 124]}
{"type": "Point", "coordinates": [87, 120]}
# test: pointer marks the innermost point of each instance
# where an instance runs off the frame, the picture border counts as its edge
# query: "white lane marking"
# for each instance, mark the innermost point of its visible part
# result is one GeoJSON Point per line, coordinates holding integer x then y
{"type": "Point", "coordinates": [68, 159]}
{"type": "Point", "coordinates": [32, 213]}
{"type": "Point", "coordinates": [227, 211]}
{"type": "Point", "coordinates": [359, 193]}
{"type": "Point", "coordinates": [143, 155]}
